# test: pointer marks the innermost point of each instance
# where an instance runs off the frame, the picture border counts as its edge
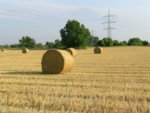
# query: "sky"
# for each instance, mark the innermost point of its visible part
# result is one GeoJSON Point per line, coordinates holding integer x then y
{"type": "Point", "coordinates": [43, 19]}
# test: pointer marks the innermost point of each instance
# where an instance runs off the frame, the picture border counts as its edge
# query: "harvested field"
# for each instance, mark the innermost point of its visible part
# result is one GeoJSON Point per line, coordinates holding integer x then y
{"type": "Point", "coordinates": [117, 81]}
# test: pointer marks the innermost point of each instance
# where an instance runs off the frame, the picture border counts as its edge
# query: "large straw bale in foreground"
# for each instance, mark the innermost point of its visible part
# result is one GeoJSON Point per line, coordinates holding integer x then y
{"type": "Point", "coordinates": [25, 50]}
{"type": "Point", "coordinates": [72, 51]}
{"type": "Point", "coordinates": [57, 62]}
{"type": "Point", "coordinates": [2, 49]}
{"type": "Point", "coordinates": [98, 50]}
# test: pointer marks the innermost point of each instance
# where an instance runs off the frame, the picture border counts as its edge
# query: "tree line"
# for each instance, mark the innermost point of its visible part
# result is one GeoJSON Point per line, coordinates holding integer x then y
{"type": "Point", "coordinates": [77, 35]}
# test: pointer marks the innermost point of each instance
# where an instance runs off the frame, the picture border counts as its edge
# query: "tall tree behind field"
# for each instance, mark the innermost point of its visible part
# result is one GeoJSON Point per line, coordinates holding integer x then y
{"type": "Point", "coordinates": [106, 42]}
{"type": "Point", "coordinates": [145, 43]}
{"type": "Point", "coordinates": [57, 43]}
{"type": "Point", "coordinates": [135, 42]}
{"type": "Point", "coordinates": [27, 42]}
{"type": "Point", "coordinates": [92, 40]}
{"type": "Point", "coordinates": [50, 44]}
{"type": "Point", "coordinates": [74, 35]}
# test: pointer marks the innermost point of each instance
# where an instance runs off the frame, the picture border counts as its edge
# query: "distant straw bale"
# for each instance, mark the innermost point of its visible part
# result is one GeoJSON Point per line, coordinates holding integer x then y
{"type": "Point", "coordinates": [2, 49]}
{"type": "Point", "coordinates": [98, 50]}
{"type": "Point", "coordinates": [25, 50]}
{"type": "Point", "coordinates": [57, 62]}
{"type": "Point", "coordinates": [72, 51]}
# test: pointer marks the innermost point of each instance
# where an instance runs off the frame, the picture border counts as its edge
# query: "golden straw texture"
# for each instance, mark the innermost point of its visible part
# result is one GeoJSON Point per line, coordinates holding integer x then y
{"type": "Point", "coordinates": [72, 51]}
{"type": "Point", "coordinates": [98, 50]}
{"type": "Point", "coordinates": [25, 50]}
{"type": "Point", "coordinates": [57, 61]}
{"type": "Point", "coordinates": [2, 49]}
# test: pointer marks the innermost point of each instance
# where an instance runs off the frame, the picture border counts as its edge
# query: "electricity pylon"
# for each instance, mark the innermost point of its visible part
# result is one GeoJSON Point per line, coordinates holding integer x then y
{"type": "Point", "coordinates": [92, 35]}
{"type": "Point", "coordinates": [108, 22]}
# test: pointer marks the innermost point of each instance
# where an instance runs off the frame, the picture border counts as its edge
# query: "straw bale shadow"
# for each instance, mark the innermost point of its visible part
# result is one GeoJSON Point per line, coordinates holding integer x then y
{"type": "Point", "coordinates": [26, 73]}
{"type": "Point", "coordinates": [23, 73]}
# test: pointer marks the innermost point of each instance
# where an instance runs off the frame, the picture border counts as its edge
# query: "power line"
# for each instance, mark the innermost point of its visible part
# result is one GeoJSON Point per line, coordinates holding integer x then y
{"type": "Point", "coordinates": [108, 22]}
{"type": "Point", "coordinates": [22, 14]}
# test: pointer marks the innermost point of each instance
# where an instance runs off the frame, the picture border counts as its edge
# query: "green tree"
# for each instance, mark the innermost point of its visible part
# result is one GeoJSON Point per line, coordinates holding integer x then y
{"type": "Point", "coordinates": [105, 42]}
{"type": "Point", "coordinates": [123, 43]}
{"type": "Point", "coordinates": [57, 43]}
{"type": "Point", "coordinates": [101, 43]}
{"type": "Point", "coordinates": [74, 35]}
{"type": "Point", "coordinates": [92, 40]}
{"type": "Point", "coordinates": [49, 44]}
{"type": "Point", "coordinates": [108, 41]}
{"type": "Point", "coordinates": [39, 45]}
{"type": "Point", "coordinates": [116, 43]}
{"type": "Point", "coordinates": [135, 42]}
{"type": "Point", "coordinates": [145, 42]}
{"type": "Point", "coordinates": [27, 42]}
{"type": "Point", "coordinates": [15, 46]}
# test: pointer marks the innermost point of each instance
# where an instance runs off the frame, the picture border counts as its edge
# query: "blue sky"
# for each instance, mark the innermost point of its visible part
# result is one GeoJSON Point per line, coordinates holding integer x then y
{"type": "Point", "coordinates": [43, 19]}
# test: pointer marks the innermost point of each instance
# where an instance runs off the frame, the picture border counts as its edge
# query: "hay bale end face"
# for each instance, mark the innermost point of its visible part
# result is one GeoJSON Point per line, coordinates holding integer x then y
{"type": "Point", "coordinates": [57, 62]}
{"type": "Point", "coordinates": [72, 51]}
{"type": "Point", "coordinates": [98, 50]}
{"type": "Point", "coordinates": [2, 49]}
{"type": "Point", "coordinates": [25, 50]}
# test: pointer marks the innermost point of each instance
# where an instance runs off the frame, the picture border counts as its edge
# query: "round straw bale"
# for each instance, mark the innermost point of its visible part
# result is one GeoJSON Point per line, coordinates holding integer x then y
{"type": "Point", "coordinates": [98, 50]}
{"type": "Point", "coordinates": [2, 49]}
{"type": "Point", "coordinates": [25, 50]}
{"type": "Point", "coordinates": [57, 62]}
{"type": "Point", "coordinates": [72, 51]}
